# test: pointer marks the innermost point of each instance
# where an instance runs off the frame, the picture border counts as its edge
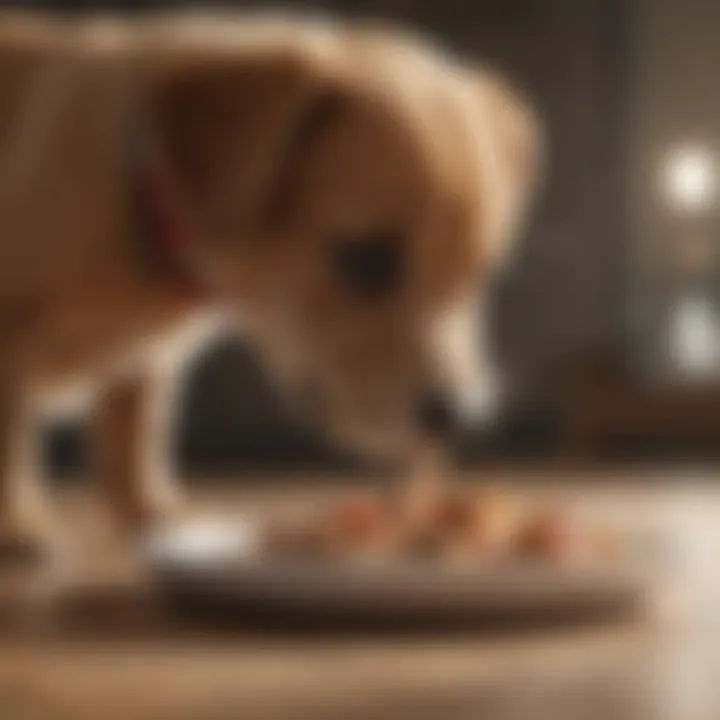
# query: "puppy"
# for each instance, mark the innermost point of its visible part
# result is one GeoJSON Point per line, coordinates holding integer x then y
{"type": "Point", "coordinates": [343, 194]}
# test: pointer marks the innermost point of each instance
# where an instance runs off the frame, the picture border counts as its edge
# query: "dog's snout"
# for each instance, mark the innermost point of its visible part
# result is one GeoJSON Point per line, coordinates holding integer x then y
{"type": "Point", "coordinates": [437, 415]}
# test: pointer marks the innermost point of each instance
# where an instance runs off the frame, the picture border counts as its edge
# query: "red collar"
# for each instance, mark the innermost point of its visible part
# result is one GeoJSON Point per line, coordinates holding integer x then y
{"type": "Point", "coordinates": [163, 234]}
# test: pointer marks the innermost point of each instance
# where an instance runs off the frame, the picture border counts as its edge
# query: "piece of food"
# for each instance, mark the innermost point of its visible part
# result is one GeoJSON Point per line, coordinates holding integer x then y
{"type": "Point", "coordinates": [440, 522]}
{"type": "Point", "coordinates": [546, 535]}
{"type": "Point", "coordinates": [603, 544]}
{"type": "Point", "coordinates": [415, 505]}
{"type": "Point", "coordinates": [431, 517]}
{"type": "Point", "coordinates": [417, 500]}
{"type": "Point", "coordinates": [360, 525]}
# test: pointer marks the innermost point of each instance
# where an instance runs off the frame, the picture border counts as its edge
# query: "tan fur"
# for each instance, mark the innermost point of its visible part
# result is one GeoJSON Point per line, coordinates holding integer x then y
{"type": "Point", "coordinates": [279, 136]}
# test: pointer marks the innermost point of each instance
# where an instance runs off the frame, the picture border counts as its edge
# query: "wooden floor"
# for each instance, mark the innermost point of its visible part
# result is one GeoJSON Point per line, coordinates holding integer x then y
{"type": "Point", "coordinates": [87, 639]}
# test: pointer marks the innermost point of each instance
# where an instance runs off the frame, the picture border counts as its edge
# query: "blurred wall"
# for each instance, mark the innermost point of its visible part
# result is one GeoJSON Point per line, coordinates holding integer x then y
{"type": "Point", "coordinates": [675, 102]}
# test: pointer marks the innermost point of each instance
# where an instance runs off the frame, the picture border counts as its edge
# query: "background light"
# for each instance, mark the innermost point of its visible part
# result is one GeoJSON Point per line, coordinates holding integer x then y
{"type": "Point", "coordinates": [695, 345]}
{"type": "Point", "coordinates": [689, 179]}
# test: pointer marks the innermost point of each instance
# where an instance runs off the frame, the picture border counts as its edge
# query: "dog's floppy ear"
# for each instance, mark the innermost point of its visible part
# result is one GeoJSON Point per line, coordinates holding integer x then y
{"type": "Point", "coordinates": [514, 157]}
{"type": "Point", "coordinates": [228, 125]}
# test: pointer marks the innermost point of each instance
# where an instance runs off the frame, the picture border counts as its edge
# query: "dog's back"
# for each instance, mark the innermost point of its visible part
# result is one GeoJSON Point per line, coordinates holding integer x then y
{"type": "Point", "coordinates": [62, 221]}
{"type": "Point", "coordinates": [65, 88]}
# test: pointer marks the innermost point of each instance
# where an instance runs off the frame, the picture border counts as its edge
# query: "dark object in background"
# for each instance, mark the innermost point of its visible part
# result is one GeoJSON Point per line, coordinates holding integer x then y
{"type": "Point", "coordinates": [609, 415]}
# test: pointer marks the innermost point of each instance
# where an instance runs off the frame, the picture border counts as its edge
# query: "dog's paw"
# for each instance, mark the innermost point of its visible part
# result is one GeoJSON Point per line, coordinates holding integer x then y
{"type": "Point", "coordinates": [23, 543]}
{"type": "Point", "coordinates": [143, 518]}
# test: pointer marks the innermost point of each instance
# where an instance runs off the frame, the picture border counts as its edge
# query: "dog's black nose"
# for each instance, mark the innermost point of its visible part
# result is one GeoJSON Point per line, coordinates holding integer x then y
{"type": "Point", "coordinates": [437, 415]}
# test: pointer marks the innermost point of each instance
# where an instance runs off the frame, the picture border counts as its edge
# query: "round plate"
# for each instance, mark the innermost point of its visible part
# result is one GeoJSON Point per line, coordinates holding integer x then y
{"type": "Point", "coordinates": [217, 565]}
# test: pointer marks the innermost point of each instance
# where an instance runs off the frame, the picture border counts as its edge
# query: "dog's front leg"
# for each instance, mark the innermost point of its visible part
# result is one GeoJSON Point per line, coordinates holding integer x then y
{"type": "Point", "coordinates": [131, 445]}
{"type": "Point", "coordinates": [23, 507]}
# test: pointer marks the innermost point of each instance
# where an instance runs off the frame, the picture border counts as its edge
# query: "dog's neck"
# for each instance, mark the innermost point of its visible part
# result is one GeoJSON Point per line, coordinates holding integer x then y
{"type": "Point", "coordinates": [161, 231]}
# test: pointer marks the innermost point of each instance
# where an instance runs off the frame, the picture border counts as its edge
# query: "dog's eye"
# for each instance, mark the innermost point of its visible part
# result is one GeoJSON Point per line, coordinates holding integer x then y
{"type": "Point", "coordinates": [369, 264]}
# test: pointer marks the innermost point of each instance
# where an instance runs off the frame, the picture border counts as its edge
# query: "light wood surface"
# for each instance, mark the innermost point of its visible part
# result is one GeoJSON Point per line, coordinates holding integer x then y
{"type": "Point", "coordinates": [87, 640]}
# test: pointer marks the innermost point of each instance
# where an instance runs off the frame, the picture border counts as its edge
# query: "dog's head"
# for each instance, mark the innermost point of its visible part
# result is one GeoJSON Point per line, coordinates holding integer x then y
{"type": "Point", "coordinates": [353, 194]}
